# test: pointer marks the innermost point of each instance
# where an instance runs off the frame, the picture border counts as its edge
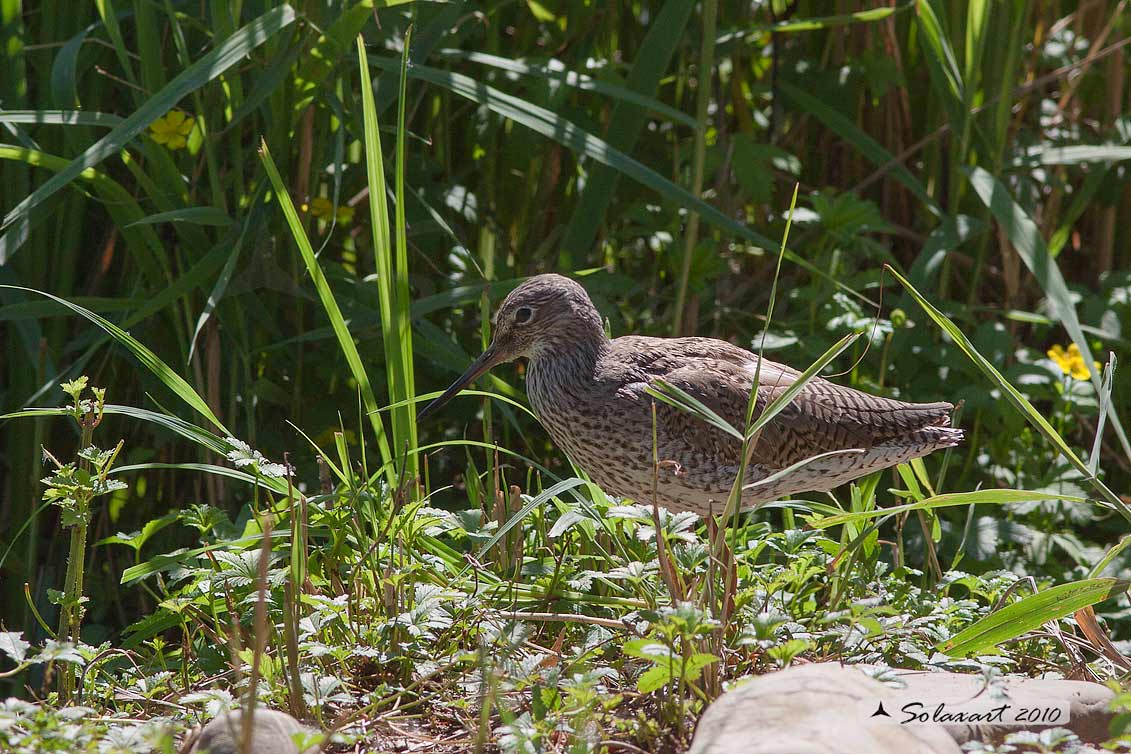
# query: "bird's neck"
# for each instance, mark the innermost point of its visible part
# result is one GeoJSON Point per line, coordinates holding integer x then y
{"type": "Point", "coordinates": [573, 352]}
{"type": "Point", "coordinates": [569, 359]}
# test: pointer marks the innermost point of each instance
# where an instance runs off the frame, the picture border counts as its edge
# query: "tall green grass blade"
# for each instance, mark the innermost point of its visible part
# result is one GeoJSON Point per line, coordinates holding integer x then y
{"type": "Point", "coordinates": [1026, 239]}
{"type": "Point", "coordinates": [175, 424]}
{"type": "Point", "coordinates": [114, 32]}
{"type": "Point", "coordinates": [1109, 557]}
{"type": "Point", "coordinates": [732, 38]}
{"type": "Point", "coordinates": [977, 24]}
{"type": "Point", "coordinates": [949, 500]}
{"type": "Point", "coordinates": [231, 51]}
{"type": "Point", "coordinates": [534, 502]}
{"type": "Point", "coordinates": [267, 483]}
{"type": "Point", "coordinates": [676, 397]}
{"type": "Point", "coordinates": [61, 118]}
{"type": "Point", "coordinates": [321, 60]}
{"type": "Point", "coordinates": [232, 250]}
{"type": "Point", "coordinates": [330, 306]}
{"type": "Point", "coordinates": [403, 296]}
{"type": "Point", "coordinates": [786, 397]}
{"type": "Point", "coordinates": [425, 397]}
{"type": "Point", "coordinates": [942, 64]}
{"type": "Point", "coordinates": [556, 71]}
{"type": "Point", "coordinates": [396, 326]}
{"type": "Point", "coordinates": [1105, 403]}
{"type": "Point", "coordinates": [1031, 613]}
{"type": "Point", "coordinates": [1013, 395]}
{"type": "Point", "coordinates": [1078, 154]}
{"type": "Point", "coordinates": [64, 90]}
{"type": "Point", "coordinates": [948, 235]}
{"type": "Point", "coordinates": [148, 359]}
{"type": "Point", "coordinates": [1082, 199]}
{"type": "Point", "coordinates": [195, 215]}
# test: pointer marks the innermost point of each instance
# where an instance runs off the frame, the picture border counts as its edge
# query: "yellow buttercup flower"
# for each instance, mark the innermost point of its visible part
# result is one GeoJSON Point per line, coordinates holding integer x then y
{"type": "Point", "coordinates": [1071, 361]}
{"type": "Point", "coordinates": [172, 129]}
{"type": "Point", "coordinates": [321, 208]}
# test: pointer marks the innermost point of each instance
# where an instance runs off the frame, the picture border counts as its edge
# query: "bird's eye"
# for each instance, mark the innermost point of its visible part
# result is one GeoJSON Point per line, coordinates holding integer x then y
{"type": "Point", "coordinates": [522, 315]}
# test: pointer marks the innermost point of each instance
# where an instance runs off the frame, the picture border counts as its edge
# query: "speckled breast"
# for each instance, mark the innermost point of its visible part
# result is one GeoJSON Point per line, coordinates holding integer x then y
{"type": "Point", "coordinates": [596, 436]}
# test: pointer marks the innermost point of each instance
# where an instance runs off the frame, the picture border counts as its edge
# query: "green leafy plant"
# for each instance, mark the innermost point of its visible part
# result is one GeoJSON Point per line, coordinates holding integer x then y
{"type": "Point", "coordinates": [72, 489]}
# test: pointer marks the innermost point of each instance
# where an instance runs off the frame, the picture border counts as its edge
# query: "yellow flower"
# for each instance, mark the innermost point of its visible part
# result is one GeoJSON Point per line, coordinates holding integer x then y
{"type": "Point", "coordinates": [172, 129]}
{"type": "Point", "coordinates": [321, 208]}
{"type": "Point", "coordinates": [1071, 361]}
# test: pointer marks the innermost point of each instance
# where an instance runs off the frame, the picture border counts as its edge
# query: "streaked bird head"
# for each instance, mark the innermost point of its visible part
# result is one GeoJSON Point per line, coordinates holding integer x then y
{"type": "Point", "coordinates": [544, 315]}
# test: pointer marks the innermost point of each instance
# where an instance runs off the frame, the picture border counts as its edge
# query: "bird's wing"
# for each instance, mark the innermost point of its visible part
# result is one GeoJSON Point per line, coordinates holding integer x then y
{"type": "Point", "coordinates": [822, 417]}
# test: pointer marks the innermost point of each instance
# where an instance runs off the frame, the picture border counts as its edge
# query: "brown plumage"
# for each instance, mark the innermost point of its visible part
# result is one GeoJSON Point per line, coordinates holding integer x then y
{"type": "Point", "coordinates": [589, 393]}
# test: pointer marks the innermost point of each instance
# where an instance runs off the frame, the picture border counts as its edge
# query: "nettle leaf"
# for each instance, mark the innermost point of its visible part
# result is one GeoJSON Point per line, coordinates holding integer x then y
{"type": "Point", "coordinates": [243, 454]}
{"type": "Point", "coordinates": [137, 539]}
{"type": "Point", "coordinates": [104, 486]}
{"type": "Point", "coordinates": [693, 667]}
{"type": "Point", "coordinates": [566, 522]}
{"type": "Point", "coordinates": [12, 644]}
{"type": "Point", "coordinates": [70, 516]}
{"type": "Point", "coordinates": [60, 651]}
{"type": "Point", "coordinates": [75, 387]}
{"type": "Point", "coordinates": [654, 678]}
{"type": "Point", "coordinates": [646, 649]}
{"type": "Point", "coordinates": [634, 570]}
{"type": "Point", "coordinates": [96, 456]}
{"type": "Point", "coordinates": [216, 701]}
{"type": "Point", "coordinates": [673, 668]}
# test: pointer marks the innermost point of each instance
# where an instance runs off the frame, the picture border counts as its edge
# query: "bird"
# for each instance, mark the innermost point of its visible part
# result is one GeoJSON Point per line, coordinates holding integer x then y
{"type": "Point", "coordinates": [591, 393]}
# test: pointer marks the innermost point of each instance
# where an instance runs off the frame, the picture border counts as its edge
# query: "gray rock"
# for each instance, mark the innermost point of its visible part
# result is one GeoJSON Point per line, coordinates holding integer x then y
{"type": "Point", "coordinates": [811, 709]}
{"type": "Point", "coordinates": [272, 734]}
{"type": "Point", "coordinates": [828, 708]}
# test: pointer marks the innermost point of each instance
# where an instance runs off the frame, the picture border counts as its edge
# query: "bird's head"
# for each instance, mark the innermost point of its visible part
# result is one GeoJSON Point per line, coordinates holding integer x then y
{"type": "Point", "coordinates": [544, 315]}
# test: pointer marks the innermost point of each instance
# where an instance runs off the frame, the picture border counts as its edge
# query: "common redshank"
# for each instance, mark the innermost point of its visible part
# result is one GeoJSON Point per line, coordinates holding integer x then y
{"type": "Point", "coordinates": [589, 392]}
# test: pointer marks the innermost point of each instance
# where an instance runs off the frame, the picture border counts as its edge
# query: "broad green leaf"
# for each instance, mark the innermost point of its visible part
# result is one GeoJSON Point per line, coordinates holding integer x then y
{"type": "Point", "coordinates": [137, 540]}
{"type": "Point", "coordinates": [1031, 613]}
{"type": "Point", "coordinates": [12, 645]}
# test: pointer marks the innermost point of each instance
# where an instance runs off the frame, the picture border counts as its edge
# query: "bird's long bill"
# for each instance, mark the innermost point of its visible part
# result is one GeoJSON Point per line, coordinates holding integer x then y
{"type": "Point", "coordinates": [478, 368]}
